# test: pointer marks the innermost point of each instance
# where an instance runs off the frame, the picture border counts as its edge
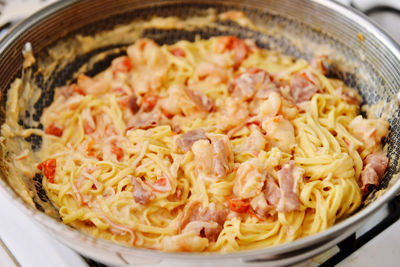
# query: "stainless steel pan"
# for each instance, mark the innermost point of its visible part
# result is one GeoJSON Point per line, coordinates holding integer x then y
{"type": "Point", "coordinates": [364, 57]}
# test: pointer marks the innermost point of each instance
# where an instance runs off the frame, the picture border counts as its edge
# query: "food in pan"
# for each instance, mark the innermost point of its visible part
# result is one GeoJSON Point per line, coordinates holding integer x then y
{"type": "Point", "coordinates": [213, 145]}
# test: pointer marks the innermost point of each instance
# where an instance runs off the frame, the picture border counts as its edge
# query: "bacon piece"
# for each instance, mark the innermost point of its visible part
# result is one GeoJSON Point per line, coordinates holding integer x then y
{"type": "Point", "coordinates": [186, 140]}
{"type": "Point", "coordinates": [178, 52]}
{"type": "Point", "coordinates": [131, 103]}
{"type": "Point", "coordinates": [374, 169]}
{"type": "Point", "coordinates": [49, 169]}
{"type": "Point", "coordinates": [200, 100]}
{"type": "Point", "coordinates": [53, 129]}
{"type": "Point", "coordinates": [205, 214]}
{"type": "Point", "coordinates": [272, 192]}
{"type": "Point", "coordinates": [232, 43]}
{"type": "Point", "coordinates": [253, 82]}
{"type": "Point", "coordinates": [144, 120]}
{"type": "Point", "coordinates": [303, 87]}
{"type": "Point", "coordinates": [141, 195]}
{"type": "Point", "coordinates": [288, 183]}
{"type": "Point", "coordinates": [222, 154]}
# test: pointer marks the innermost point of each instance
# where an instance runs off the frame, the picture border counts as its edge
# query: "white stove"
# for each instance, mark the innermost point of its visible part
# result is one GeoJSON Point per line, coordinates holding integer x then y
{"type": "Point", "coordinates": [23, 243]}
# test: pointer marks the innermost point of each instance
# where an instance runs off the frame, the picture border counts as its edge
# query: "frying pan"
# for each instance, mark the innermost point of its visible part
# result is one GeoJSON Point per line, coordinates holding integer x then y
{"type": "Point", "coordinates": [363, 56]}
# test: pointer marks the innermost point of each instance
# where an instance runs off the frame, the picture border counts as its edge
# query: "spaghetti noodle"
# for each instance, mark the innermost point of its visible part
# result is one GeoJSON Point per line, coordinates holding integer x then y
{"type": "Point", "coordinates": [211, 145]}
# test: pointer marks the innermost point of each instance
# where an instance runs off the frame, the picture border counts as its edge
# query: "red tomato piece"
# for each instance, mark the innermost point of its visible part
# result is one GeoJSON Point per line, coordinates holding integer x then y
{"type": "Point", "coordinates": [238, 205]}
{"type": "Point", "coordinates": [117, 151]}
{"type": "Point", "coordinates": [48, 167]}
{"type": "Point", "coordinates": [53, 129]}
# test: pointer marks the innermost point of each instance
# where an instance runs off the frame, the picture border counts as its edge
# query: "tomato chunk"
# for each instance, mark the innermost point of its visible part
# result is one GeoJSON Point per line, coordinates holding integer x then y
{"type": "Point", "coordinates": [238, 205]}
{"type": "Point", "coordinates": [117, 151]}
{"type": "Point", "coordinates": [48, 167]}
{"type": "Point", "coordinates": [53, 129]}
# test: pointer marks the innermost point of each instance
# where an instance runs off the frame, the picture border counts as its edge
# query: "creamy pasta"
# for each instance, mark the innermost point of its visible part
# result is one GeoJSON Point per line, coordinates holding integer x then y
{"type": "Point", "coordinates": [214, 145]}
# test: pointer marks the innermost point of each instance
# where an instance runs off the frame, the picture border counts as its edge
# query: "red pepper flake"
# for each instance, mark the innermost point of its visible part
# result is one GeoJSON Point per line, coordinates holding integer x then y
{"type": "Point", "coordinates": [117, 151]}
{"type": "Point", "coordinates": [238, 205]}
{"type": "Point", "coordinates": [49, 169]}
{"type": "Point", "coordinates": [53, 129]}
{"type": "Point", "coordinates": [178, 52]}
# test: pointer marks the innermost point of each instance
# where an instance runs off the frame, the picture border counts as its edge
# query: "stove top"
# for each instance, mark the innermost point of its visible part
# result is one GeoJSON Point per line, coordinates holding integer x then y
{"type": "Point", "coordinates": [24, 243]}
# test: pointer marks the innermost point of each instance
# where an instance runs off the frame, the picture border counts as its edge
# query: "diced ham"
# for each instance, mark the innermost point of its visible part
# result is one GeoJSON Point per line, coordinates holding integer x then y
{"type": "Point", "coordinates": [199, 99]}
{"type": "Point", "coordinates": [303, 86]}
{"type": "Point", "coordinates": [249, 179]}
{"type": "Point", "coordinates": [272, 192]}
{"type": "Point", "coordinates": [369, 131]}
{"type": "Point", "coordinates": [186, 140]}
{"type": "Point", "coordinates": [289, 176]}
{"type": "Point", "coordinates": [222, 154]}
{"type": "Point", "coordinates": [374, 168]}
{"type": "Point", "coordinates": [232, 43]}
{"type": "Point", "coordinates": [197, 213]}
{"type": "Point", "coordinates": [144, 120]}
{"type": "Point", "coordinates": [266, 202]}
{"type": "Point", "coordinates": [252, 82]}
{"type": "Point", "coordinates": [141, 195]}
